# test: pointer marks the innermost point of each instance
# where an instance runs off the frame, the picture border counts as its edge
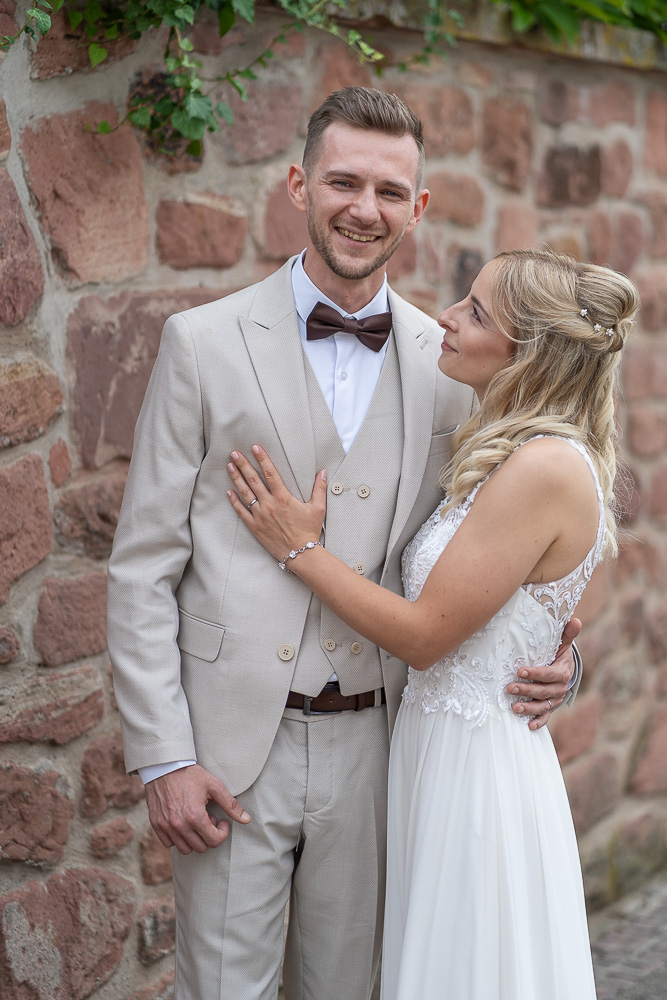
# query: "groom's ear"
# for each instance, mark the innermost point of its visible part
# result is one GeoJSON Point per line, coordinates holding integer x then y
{"type": "Point", "coordinates": [296, 187]}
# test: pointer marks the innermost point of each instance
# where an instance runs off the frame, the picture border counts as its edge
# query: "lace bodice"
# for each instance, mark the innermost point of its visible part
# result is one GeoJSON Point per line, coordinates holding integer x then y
{"type": "Point", "coordinates": [472, 681]}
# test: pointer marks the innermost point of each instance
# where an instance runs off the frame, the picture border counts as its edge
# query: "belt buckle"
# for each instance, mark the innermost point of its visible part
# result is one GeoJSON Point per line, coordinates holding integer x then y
{"type": "Point", "coordinates": [306, 705]}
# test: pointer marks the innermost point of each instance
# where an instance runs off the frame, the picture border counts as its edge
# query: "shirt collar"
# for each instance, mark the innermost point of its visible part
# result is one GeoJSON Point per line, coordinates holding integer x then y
{"type": "Point", "coordinates": [307, 295]}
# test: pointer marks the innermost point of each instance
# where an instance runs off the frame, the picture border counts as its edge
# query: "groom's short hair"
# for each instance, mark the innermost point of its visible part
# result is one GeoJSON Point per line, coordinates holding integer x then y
{"type": "Point", "coordinates": [364, 108]}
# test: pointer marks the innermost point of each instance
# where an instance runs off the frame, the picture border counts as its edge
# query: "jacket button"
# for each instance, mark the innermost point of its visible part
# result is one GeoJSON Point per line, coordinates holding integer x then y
{"type": "Point", "coordinates": [360, 568]}
{"type": "Point", "coordinates": [286, 652]}
{"type": "Point", "coordinates": [356, 647]}
{"type": "Point", "coordinates": [337, 488]}
{"type": "Point", "coordinates": [329, 645]}
{"type": "Point", "coordinates": [363, 492]}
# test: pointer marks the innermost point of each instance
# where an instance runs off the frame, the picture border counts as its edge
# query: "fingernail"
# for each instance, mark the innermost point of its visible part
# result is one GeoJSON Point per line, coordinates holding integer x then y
{"type": "Point", "coordinates": [235, 456]}
{"type": "Point", "coordinates": [230, 467]}
{"type": "Point", "coordinates": [245, 816]}
{"type": "Point", "coordinates": [229, 494]}
{"type": "Point", "coordinates": [323, 474]}
{"type": "Point", "coordinates": [523, 673]}
{"type": "Point", "coordinates": [255, 449]}
{"type": "Point", "coordinates": [520, 709]}
{"type": "Point", "coordinates": [515, 690]}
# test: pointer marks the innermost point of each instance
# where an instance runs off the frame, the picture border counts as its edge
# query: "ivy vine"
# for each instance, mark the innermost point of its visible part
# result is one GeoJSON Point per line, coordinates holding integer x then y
{"type": "Point", "coordinates": [186, 103]}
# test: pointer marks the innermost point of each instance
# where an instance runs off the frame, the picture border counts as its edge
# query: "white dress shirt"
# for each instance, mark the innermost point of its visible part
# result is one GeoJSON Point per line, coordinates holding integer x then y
{"type": "Point", "coordinates": [347, 373]}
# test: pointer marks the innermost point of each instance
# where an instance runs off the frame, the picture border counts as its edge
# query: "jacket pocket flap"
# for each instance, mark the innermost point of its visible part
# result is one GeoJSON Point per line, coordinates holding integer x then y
{"type": "Point", "coordinates": [201, 638]}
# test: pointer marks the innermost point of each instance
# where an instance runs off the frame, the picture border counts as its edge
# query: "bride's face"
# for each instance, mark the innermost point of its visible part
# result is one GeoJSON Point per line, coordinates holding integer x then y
{"type": "Point", "coordinates": [473, 348]}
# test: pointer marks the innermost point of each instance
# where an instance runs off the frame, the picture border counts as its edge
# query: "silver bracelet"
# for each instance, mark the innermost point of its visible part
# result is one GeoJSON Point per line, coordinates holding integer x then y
{"type": "Point", "coordinates": [296, 552]}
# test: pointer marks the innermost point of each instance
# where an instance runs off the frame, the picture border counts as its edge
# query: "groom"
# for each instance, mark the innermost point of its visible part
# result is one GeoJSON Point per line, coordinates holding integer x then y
{"type": "Point", "coordinates": [230, 678]}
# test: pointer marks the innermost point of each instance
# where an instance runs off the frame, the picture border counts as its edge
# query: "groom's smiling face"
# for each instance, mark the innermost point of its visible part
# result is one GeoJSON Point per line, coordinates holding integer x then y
{"type": "Point", "coordinates": [360, 199]}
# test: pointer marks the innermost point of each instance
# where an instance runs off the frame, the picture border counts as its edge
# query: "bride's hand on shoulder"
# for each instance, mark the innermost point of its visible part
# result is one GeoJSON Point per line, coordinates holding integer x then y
{"type": "Point", "coordinates": [276, 518]}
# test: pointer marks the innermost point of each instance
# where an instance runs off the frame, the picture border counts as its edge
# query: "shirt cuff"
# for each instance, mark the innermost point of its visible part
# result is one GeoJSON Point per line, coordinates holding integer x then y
{"type": "Point", "coordinates": [577, 667]}
{"type": "Point", "coordinates": [153, 771]}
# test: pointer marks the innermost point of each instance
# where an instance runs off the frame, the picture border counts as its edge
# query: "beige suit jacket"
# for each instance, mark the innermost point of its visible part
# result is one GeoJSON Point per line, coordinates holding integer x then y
{"type": "Point", "coordinates": [204, 627]}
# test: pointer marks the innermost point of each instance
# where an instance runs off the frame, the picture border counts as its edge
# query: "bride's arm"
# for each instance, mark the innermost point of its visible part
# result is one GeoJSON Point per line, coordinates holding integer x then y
{"type": "Point", "coordinates": [517, 516]}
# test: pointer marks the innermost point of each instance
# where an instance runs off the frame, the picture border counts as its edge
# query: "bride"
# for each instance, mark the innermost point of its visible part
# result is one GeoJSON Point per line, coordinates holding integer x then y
{"type": "Point", "coordinates": [484, 893]}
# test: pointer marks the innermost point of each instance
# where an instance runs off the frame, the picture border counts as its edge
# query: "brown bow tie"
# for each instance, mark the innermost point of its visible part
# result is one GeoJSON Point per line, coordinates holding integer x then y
{"type": "Point", "coordinates": [325, 321]}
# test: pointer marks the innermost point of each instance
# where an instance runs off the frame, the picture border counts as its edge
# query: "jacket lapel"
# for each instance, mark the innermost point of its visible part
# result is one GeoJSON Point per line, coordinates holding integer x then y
{"type": "Point", "coordinates": [272, 338]}
{"type": "Point", "coordinates": [418, 369]}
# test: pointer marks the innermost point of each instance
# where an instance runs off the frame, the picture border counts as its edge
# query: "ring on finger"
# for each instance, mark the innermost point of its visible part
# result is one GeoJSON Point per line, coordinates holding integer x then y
{"type": "Point", "coordinates": [252, 502]}
{"type": "Point", "coordinates": [549, 704]}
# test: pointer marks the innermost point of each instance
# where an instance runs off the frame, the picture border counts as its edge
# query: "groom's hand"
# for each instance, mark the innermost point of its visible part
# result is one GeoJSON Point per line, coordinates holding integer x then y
{"type": "Point", "coordinates": [177, 809]}
{"type": "Point", "coordinates": [546, 686]}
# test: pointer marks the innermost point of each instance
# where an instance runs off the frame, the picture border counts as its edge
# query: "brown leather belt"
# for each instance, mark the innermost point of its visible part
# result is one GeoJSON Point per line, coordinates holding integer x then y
{"type": "Point", "coordinates": [331, 700]}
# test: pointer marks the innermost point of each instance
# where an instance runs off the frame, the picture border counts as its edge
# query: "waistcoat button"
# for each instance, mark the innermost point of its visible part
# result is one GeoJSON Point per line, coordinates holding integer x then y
{"type": "Point", "coordinates": [336, 488]}
{"type": "Point", "coordinates": [356, 647]}
{"type": "Point", "coordinates": [286, 652]}
{"type": "Point", "coordinates": [363, 492]}
{"type": "Point", "coordinates": [329, 645]}
{"type": "Point", "coordinates": [359, 568]}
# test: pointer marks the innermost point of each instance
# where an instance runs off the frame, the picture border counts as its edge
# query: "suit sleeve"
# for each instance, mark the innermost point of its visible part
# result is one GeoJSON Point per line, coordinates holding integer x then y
{"type": "Point", "coordinates": [152, 546]}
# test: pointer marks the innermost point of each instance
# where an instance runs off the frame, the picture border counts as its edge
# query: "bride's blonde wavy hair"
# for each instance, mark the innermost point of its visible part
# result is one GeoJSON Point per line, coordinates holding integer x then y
{"type": "Point", "coordinates": [569, 322]}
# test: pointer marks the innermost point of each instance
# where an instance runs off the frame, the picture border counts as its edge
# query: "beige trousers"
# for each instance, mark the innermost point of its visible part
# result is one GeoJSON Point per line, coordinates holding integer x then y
{"type": "Point", "coordinates": [317, 837]}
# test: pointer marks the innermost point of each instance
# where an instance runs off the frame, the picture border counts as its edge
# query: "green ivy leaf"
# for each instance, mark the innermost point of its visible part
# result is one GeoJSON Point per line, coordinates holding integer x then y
{"type": "Point", "coordinates": [111, 33]}
{"type": "Point", "coordinates": [522, 19]}
{"type": "Point", "coordinates": [186, 45]}
{"type": "Point", "coordinates": [226, 19]}
{"type": "Point", "coordinates": [198, 106]}
{"type": "Point", "coordinates": [104, 128]}
{"type": "Point", "coordinates": [96, 54]}
{"type": "Point", "coordinates": [185, 13]}
{"type": "Point", "coordinates": [92, 12]}
{"type": "Point", "coordinates": [194, 148]}
{"type": "Point", "coordinates": [42, 20]}
{"type": "Point", "coordinates": [245, 9]}
{"type": "Point", "coordinates": [191, 128]}
{"type": "Point", "coordinates": [141, 117]}
{"type": "Point", "coordinates": [45, 3]}
{"type": "Point", "coordinates": [223, 110]}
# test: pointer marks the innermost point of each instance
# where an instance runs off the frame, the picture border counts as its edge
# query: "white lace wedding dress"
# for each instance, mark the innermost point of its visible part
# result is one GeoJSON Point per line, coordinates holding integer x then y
{"type": "Point", "coordinates": [484, 889]}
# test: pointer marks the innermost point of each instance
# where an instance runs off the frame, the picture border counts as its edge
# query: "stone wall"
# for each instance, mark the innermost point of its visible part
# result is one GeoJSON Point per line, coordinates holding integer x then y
{"type": "Point", "coordinates": [100, 239]}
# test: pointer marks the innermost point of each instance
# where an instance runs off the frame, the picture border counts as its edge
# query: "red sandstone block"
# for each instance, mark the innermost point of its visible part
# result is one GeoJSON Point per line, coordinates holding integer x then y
{"type": "Point", "coordinates": [108, 839]}
{"type": "Point", "coordinates": [30, 399]}
{"type": "Point", "coordinates": [446, 113]}
{"type": "Point", "coordinates": [640, 848]}
{"type": "Point", "coordinates": [559, 101]}
{"type": "Point", "coordinates": [105, 781]}
{"type": "Point", "coordinates": [157, 930]}
{"type": "Point", "coordinates": [647, 431]}
{"type": "Point", "coordinates": [21, 275]}
{"type": "Point", "coordinates": [86, 516]}
{"type": "Point", "coordinates": [63, 938]}
{"type": "Point", "coordinates": [64, 49]}
{"type": "Point", "coordinates": [112, 346]}
{"type": "Point", "coordinates": [202, 231]}
{"type": "Point", "coordinates": [25, 522]}
{"type": "Point", "coordinates": [8, 25]}
{"type": "Point", "coordinates": [650, 774]}
{"type": "Point", "coordinates": [655, 149]}
{"type": "Point", "coordinates": [338, 68]}
{"type": "Point", "coordinates": [403, 261]}
{"type": "Point", "coordinates": [507, 141]}
{"type": "Point", "coordinates": [53, 707]}
{"type": "Point", "coordinates": [60, 463]}
{"type": "Point", "coordinates": [264, 125]}
{"type": "Point", "coordinates": [71, 619]}
{"type": "Point", "coordinates": [456, 198]}
{"type": "Point", "coordinates": [9, 646]}
{"type": "Point", "coordinates": [656, 203]}
{"type": "Point", "coordinates": [163, 989]}
{"type": "Point", "coordinates": [155, 859]}
{"type": "Point", "coordinates": [611, 102]}
{"type": "Point", "coordinates": [593, 787]}
{"type": "Point", "coordinates": [88, 189]}
{"type": "Point", "coordinates": [517, 227]}
{"type": "Point", "coordinates": [284, 230]}
{"type": "Point", "coordinates": [645, 368]}
{"type": "Point", "coordinates": [5, 134]}
{"type": "Point", "coordinates": [653, 314]}
{"type": "Point", "coordinates": [656, 626]}
{"type": "Point", "coordinates": [35, 812]}
{"type": "Point", "coordinates": [616, 240]}
{"type": "Point", "coordinates": [570, 176]}
{"type": "Point", "coordinates": [574, 730]}
{"type": "Point", "coordinates": [617, 166]}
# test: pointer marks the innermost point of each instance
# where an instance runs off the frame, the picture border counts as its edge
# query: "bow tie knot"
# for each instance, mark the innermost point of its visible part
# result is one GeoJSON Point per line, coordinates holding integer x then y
{"type": "Point", "coordinates": [372, 331]}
